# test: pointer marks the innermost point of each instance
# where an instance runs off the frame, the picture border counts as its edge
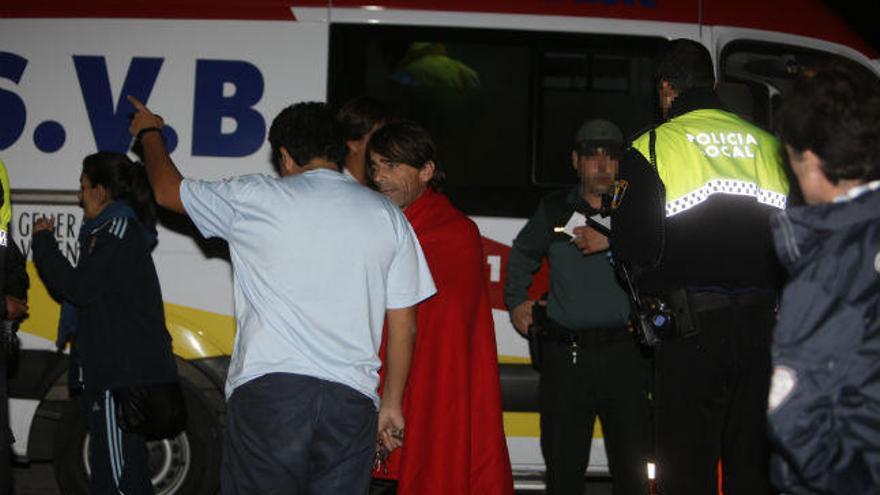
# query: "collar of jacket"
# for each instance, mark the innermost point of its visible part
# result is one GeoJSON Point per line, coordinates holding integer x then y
{"type": "Point", "coordinates": [800, 230]}
{"type": "Point", "coordinates": [695, 99]}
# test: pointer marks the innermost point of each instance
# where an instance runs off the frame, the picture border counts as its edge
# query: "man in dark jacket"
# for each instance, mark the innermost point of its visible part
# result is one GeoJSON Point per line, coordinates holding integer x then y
{"type": "Point", "coordinates": [694, 229]}
{"type": "Point", "coordinates": [824, 402]}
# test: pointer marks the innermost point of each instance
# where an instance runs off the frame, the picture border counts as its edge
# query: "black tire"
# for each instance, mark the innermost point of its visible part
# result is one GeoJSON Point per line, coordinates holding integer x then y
{"type": "Point", "coordinates": [184, 465]}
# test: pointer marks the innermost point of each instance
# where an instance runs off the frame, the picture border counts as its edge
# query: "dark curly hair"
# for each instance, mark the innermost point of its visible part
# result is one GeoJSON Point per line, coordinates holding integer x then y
{"type": "Point", "coordinates": [360, 115]}
{"type": "Point", "coordinates": [307, 130]}
{"type": "Point", "coordinates": [407, 143]}
{"type": "Point", "coordinates": [834, 110]}
{"type": "Point", "coordinates": [686, 64]}
{"type": "Point", "coordinates": [124, 179]}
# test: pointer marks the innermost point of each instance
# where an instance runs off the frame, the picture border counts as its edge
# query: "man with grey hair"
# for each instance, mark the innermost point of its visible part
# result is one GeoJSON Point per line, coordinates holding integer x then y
{"type": "Point", "coordinates": [591, 366]}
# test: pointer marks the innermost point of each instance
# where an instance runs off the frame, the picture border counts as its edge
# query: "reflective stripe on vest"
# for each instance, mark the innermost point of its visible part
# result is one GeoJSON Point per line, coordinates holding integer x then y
{"type": "Point", "coordinates": [706, 152]}
{"type": "Point", "coordinates": [6, 208]}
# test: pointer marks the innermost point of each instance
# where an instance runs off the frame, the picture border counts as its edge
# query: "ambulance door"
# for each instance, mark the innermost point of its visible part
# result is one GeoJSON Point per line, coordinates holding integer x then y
{"type": "Point", "coordinates": [756, 68]}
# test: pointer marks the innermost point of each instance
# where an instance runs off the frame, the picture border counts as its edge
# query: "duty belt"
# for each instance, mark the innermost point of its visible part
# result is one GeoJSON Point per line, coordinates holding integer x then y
{"type": "Point", "coordinates": [710, 301]}
{"type": "Point", "coordinates": [679, 308]}
{"type": "Point", "coordinates": [586, 337]}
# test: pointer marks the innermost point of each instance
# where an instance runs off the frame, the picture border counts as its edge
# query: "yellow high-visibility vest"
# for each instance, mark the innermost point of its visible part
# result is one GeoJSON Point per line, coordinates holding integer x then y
{"type": "Point", "coordinates": [6, 208]}
{"type": "Point", "coordinates": [707, 152]}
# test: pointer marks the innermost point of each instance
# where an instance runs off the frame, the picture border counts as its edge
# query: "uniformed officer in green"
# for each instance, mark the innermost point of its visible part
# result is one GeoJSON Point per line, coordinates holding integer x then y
{"type": "Point", "coordinates": [694, 231]}
{"type": "Point", "coordinates": [591, 364]}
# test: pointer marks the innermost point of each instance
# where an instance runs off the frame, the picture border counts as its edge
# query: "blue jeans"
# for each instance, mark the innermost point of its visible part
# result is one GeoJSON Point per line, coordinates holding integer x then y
{"type": "Point", "coordinates": [288, 433]}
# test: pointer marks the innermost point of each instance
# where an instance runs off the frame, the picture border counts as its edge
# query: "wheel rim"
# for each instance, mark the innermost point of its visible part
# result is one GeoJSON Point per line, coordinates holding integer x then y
{"type": "Point", "coordinates": [169, 461]}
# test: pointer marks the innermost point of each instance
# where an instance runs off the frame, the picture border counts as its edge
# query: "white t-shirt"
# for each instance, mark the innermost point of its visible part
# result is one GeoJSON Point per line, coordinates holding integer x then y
{"type": "Point", "coordinates": [317, 258]}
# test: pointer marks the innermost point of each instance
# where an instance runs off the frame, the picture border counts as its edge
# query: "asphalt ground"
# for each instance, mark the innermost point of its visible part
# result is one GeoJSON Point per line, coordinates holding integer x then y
{"type": "Point", "coordinates": [37, 478]}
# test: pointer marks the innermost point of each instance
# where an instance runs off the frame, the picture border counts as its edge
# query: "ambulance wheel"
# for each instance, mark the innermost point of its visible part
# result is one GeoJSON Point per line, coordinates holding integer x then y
{"type": "Point", "coordinates": [186, 464]}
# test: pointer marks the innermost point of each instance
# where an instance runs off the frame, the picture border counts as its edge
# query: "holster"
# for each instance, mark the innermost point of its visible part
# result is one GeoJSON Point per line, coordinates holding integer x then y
{"type": "Point", "coordinates": [671, 315]}
{"type": "Point", "coordinates": [536, 335]}
{"type": "Point", "coordinates": [684, 320]}
{"type": "Point", "coordinates": [9, 343]}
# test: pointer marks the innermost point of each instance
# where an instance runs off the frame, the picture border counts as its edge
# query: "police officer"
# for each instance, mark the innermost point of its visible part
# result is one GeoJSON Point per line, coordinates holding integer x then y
{"type": "Point", "coordinates": [11, 308]}
{"type": "Point", "coordinates": [694, 231]}
{"type": "Point", "coordinates": [591, 366]}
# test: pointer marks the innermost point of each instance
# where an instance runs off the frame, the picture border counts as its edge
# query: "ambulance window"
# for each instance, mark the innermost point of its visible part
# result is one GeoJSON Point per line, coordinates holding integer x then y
{"type": "Point", "coordinates": [502, 106]}
{"type": "Point", "coordinates": [586, 77]}
{"type": "Point", "coordinates": [469, 88]}
{"type": "Point", "coordinates": [767, 71]}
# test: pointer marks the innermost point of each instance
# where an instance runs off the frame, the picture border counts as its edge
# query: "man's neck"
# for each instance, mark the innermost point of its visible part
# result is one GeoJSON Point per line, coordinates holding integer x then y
{"type": "Point", "coordinates": [357, 169]}
{"type": "Point", "coordinates": [594, 200]}
{"type": "Point", "coordinates": [842, 189]}
{"type": "Point", "coordinates": [420, 196]}
{"type": "Point", "coordinates": [319, 163]}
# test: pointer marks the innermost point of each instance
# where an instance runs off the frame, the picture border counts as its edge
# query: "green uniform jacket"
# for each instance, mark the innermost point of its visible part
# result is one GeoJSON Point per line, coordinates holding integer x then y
{"type": "Point", "coordinates": [583, 289]}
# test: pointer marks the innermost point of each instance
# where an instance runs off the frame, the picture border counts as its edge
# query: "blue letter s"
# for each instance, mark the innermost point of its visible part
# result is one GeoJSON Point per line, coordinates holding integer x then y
{"type": "Point", "coordinates": [14, 112]}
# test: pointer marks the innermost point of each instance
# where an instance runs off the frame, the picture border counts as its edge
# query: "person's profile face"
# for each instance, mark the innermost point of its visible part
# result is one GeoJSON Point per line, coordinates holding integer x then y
{"type": "Point", "coordinates": [92, 199]}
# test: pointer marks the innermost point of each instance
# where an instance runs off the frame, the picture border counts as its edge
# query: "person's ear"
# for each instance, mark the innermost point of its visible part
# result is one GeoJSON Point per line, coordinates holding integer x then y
{"type": "Point", "coordinates": [426, 173]}
{"type": "Point", "coordinates": [667, 93]}
{"type": "Point", "coordinates": [103, 194]}
{"type": "Point", "coordinates": [288, 165]}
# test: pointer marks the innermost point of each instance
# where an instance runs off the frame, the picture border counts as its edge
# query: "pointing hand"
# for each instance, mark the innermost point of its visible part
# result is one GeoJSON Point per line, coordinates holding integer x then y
{"type": "Point", "coordinates": [143, 117]}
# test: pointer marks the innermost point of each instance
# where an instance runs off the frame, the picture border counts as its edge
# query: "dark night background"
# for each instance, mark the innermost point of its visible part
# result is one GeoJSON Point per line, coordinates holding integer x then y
{"type": "Point", "coordinates": [861, 16]}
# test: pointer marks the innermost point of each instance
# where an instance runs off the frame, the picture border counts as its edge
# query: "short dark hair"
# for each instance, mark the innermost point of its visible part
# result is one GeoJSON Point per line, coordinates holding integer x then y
{"type": "Point", "coordinates": [360, 115]}
{"type": "Point", "coordinates": [307, 131]}
{"type": "Point", "coordinates": [834, 111]}
{"type": "Point", "coordinates": [123, 179]}
{"type": "Point", "coordinates": [407, 143]}
{"type": "Point", "coordinates": [686, 64]}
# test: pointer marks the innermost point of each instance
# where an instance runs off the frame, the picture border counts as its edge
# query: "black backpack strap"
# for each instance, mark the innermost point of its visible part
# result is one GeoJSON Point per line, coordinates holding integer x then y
{"type": "Point", "coordinates": [652, 152]}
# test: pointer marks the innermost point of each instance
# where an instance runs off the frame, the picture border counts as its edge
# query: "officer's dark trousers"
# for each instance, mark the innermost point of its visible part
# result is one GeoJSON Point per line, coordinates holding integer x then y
{"type": "Point", "coordinates": [609, 380]}
{"type": "Point", "coordinates": [712, 399]}
{"type": "Point", "coordinates": [5, 432]}
{"type": "Point", "coordinates": [294, 434]}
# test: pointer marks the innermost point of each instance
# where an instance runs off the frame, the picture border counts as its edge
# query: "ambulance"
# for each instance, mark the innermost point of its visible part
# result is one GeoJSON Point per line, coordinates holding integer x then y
{"type": "Point", "coordinates": [501, 84]}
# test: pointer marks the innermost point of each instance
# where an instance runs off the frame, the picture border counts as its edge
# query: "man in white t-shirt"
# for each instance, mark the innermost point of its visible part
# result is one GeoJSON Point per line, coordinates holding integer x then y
{"type": "Point", "coordinates": [301, 389]}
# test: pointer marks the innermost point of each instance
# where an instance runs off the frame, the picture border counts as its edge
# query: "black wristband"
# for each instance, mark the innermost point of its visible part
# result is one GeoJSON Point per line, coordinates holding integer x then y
{"type": "Point", "coordinates": [140, 134]}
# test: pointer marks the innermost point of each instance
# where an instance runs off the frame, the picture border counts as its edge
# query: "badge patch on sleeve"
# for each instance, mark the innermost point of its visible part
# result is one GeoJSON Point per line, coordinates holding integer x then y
{"type": "Point", "coordinates": [877, 263]}
{"type": "Point", "coordinates": [782, 385]}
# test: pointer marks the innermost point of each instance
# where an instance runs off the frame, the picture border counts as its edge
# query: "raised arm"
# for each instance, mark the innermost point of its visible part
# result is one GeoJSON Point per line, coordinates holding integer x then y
{"type": "Point", "coordinates": [164, 176]}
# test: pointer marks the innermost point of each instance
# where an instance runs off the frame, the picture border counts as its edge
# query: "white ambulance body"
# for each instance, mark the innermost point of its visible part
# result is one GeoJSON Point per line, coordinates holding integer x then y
{"type": "Point", "coordinates": [219, 71]}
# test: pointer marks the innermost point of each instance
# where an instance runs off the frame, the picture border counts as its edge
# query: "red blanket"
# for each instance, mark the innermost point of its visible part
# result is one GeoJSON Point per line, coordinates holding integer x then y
{"type": "Point", "coordinates": [454, 441]}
